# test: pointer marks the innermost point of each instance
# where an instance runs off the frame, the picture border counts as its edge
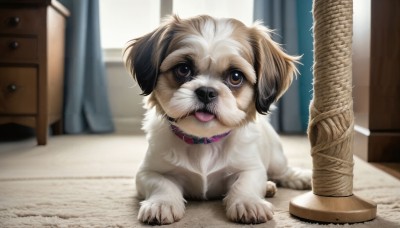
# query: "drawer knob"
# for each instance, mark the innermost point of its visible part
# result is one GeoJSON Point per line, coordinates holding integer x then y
{"type": "Point", "coordinates": [14, 45]}
{"type": "Point", "coordinates": [12, 88]}
{"type": "Point", "coordinates": [14, 21]}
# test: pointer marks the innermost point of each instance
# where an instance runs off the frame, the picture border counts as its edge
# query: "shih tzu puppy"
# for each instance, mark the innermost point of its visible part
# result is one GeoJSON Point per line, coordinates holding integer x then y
{"type": "Point", "coordinates": [208, 81]}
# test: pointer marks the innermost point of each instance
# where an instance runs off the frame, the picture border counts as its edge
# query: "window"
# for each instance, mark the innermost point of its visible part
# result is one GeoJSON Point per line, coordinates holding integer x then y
{"type": "Point", "coordinates": [238, 9]}
{"type": "Point", "coordinates": [123, 20]}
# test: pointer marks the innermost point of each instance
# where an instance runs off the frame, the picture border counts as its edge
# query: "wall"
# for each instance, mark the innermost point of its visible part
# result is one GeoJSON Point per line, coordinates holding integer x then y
{"type": "Point", "coordinates": [125, 101]}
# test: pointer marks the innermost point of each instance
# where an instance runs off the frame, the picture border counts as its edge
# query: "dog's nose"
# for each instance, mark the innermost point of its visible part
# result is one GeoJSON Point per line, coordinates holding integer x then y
{"type": "Point", "coordinates": [206, 94]}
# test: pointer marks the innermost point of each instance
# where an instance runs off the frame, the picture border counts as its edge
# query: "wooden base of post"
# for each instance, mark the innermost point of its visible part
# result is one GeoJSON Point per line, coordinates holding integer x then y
{"type": "Point", "coordinates": [349, 209]}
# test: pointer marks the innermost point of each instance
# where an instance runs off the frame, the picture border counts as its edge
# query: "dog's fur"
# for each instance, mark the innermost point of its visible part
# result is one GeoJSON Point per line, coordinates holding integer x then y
{"type": "Point", "coordinates": [239, 71]}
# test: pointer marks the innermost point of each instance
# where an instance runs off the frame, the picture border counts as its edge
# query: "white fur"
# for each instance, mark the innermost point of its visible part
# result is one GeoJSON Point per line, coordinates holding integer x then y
{"type": "Point", "coordinates": [236, 168]}
{"type": "Point", "coordinates": [185, 100]}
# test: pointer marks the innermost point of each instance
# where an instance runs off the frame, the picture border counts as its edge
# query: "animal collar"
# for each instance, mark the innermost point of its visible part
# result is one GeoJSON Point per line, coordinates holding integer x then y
{"type": "Point", "coordinates": [190, 139]}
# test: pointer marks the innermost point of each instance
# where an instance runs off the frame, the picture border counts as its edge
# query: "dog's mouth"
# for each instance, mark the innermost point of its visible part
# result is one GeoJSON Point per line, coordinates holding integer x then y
{"type": "Point", "coordinates": [203, 115]}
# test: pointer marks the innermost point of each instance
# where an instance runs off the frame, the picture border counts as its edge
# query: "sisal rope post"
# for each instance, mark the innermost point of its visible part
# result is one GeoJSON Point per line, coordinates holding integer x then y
{"type": "Point", "coordinates": [331, 123]}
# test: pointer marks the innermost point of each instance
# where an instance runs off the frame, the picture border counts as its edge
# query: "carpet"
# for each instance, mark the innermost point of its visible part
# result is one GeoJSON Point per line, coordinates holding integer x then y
{"type": "Point", "coordinates": [88, 181]}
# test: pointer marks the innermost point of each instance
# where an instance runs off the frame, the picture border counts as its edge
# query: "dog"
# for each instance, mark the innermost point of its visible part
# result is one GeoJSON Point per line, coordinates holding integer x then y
{"type": "Point", "coordinates": [207, 83]}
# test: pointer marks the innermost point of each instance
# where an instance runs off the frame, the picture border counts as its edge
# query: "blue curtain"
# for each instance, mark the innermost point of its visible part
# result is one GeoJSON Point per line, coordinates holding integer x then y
{"type": "Point", "coordinates": [291, 20]}
{"type": "Point", "coordinates": [86, 105]}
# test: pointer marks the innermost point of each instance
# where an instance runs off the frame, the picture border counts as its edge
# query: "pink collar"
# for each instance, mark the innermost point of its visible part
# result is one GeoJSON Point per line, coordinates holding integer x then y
{"type": "Point", "coordinates": [190, 139]}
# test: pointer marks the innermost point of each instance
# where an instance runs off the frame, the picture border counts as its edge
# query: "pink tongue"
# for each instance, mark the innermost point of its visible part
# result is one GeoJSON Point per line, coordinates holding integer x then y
{"type": "Point", "coordinates": [204, 116]}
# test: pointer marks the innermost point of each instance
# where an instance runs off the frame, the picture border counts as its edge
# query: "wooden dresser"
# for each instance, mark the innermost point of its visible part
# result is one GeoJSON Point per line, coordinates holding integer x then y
{"type": "Point", "coordinates": [376, 75]}
{"type": "Point", "coordinates": [32, 64]}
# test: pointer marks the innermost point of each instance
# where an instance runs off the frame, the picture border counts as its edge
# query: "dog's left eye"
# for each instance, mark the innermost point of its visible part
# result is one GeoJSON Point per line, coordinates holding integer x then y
{"type": "Point", "coordinates": [183, 70]}
{"type": "Point", "coordinates": [235, 78]}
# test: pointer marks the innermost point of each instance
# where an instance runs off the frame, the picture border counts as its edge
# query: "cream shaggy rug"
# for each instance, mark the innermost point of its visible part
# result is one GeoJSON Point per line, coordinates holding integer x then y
{"type": "Point", "coordinates": [88, 181]}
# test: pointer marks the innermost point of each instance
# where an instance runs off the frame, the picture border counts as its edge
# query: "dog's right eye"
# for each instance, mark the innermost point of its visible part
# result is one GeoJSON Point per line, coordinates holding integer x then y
{"type": "Point", "coordinates": [183, 71]}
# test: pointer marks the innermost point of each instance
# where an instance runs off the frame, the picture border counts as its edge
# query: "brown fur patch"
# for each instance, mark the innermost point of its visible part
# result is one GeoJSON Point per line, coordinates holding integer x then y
{"type": "Point", "coordinates": [268, 69]}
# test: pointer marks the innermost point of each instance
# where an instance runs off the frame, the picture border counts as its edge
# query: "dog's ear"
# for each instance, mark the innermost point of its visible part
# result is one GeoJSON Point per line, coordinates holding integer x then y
{"type": "Point", "coordinates": [274, 68]}
{"type": "Point", "coordinates": [143, 55]}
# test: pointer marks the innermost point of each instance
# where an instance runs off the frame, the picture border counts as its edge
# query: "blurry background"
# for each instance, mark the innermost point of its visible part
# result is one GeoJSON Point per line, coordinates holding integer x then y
{"type": "Point", "coordinates": [95, 160]}
{"type": "Point", "coordinates": [101, 97]}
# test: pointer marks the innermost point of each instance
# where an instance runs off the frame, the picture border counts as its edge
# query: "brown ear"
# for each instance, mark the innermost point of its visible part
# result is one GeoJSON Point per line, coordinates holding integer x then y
{"type": "Point", "coordinates": [144, 55]}
{"type": "Point", "coordinates": [274, 68]}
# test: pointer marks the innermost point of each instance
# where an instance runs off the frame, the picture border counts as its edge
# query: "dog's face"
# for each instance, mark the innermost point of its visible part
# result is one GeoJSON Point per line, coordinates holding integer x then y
{"type": "Point", "coordinates": [209, 75]}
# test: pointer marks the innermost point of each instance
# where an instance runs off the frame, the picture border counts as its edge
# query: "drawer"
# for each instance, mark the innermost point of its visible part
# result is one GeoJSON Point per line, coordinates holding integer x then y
{"type": "Point", "coordinates": [18, 90]}
{"type": "Point", "coordinates": [20, 20]}
{"type": "Point", "coordinates": [17, 49]}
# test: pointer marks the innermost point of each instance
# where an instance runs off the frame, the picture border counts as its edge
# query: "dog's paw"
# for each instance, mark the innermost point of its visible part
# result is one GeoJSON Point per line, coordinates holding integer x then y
{"type": "Point", "coordinates": [296, 178]}
{"type": "Point", "coordinates": [160, 212]}
{"type": "Point", "coordinates": [271, 189]}
{"type": "Point", "coordinates": [249, 210]}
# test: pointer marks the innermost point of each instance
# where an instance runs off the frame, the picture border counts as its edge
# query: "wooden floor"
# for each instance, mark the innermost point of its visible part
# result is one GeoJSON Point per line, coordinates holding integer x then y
{"type": "Point", "coordinates": [390, 168]}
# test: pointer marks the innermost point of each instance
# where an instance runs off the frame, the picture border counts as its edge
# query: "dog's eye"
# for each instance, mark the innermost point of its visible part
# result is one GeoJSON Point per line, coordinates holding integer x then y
{"type": "Point", "coordinates": [183, 71]}
{"type": "Point", "coordinates": [235, 78]}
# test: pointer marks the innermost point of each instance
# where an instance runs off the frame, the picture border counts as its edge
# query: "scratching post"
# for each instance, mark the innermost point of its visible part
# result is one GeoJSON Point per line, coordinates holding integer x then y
{"type": "Point", "coordinates": [331, 124]}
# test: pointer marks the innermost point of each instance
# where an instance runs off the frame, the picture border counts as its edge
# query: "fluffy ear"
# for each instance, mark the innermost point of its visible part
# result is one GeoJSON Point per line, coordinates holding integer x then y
{"type": "Point", "coordinates": [144, 55]}
{"type": "Point", "coordinates": [274, 68]}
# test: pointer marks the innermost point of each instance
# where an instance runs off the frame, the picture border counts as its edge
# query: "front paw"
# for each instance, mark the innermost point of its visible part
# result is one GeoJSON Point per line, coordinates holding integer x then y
{"type": "Point", "coordinates": [158, 212]}
{"type": "Point", "coordinates": [296, 178]}
{"type": "Point", "coordinates": [248, 210]}
{"type": "Point", "coordinates": [271, 189]}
